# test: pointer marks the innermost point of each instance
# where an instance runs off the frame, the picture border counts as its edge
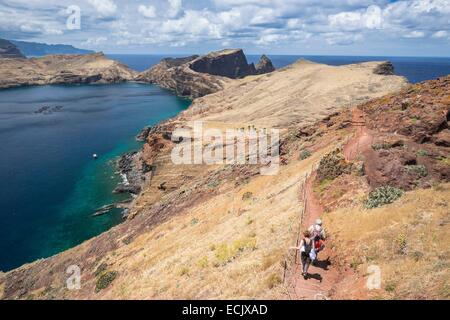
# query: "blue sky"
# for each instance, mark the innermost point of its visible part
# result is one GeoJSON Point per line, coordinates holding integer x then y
{"type": "Point", "coordinates": [331, 27]}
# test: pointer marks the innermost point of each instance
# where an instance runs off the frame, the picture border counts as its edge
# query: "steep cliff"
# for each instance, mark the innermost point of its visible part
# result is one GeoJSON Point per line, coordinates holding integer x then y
{"type": "Point", "coordinates": [226, 63]}
{"type": "Point", "coordinates": [198, 76]}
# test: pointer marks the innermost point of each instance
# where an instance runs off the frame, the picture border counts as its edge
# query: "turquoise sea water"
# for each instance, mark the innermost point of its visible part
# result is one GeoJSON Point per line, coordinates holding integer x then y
{"type": "Point", "coordinates": [49, 183]}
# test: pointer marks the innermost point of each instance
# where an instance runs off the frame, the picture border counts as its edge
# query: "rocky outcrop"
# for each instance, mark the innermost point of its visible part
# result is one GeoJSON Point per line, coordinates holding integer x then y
{"type": "Point", "coordinates": [9, 50]}
{"type": "Point", "coordinates": [63, 69]}
{"type": "Point", "coordinates": [264, 65]}
{"type": "Point", "coordinates": [196, 76]}
{"type": "Point", "coordinates": [175, 74]}
{"type": "Point", "coordinates": [385, 69]}
{"type": "Point", "coordinates": [411, 148]}
{"type": "Point", "coordinates": [130, 167]}
{"type": "Point", "coordinates": [226, 63]}
{"type": "Point", "coordinates": [142, 136]}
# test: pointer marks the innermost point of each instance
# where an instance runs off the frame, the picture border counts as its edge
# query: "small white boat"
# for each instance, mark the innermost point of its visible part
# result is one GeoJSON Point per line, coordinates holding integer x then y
{"type": "Point", "coordinates": [95, 156]}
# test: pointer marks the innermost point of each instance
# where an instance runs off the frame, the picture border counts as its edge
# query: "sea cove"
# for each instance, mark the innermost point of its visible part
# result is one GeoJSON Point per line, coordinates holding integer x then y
{"type": "Point", "coordinates": [49, 183]}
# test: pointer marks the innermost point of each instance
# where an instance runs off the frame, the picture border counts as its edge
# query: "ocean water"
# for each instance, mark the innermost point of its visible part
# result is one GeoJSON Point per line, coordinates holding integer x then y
{"type": "Point", "coordinates": [415, 69]}
{"type": "Point", "coordinates": [49, 183]}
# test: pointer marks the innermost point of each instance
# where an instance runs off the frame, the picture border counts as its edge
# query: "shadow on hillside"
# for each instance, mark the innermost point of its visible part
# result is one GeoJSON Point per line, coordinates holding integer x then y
{"type": "Point", "coordinates": [324, 264]}
{"type": "Point", "coordinates": [315, 276]}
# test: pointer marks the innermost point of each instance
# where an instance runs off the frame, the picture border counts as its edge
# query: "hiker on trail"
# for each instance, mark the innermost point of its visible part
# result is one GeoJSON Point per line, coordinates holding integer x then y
{"type": "Point", "coordinates": [317, 230]}
{"type": "Point", "coordinates": [307, 252]}
{"type": "Point", "coordinates": [318, 235]}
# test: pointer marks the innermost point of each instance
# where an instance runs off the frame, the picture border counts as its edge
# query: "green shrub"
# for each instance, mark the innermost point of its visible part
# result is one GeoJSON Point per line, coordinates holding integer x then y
{"type": "Point", "coordinates": [390, 286]}
{"type": "Point", "coordinates": [419, 170]}
{"type": "Point", "coordinates": [381, 146]}
{"type": "Point", "coordinates": [305, 154]}
{"type": "Point", "coordinates": [381, 196]}
{"type": "Point", "coordinates": [105, 280]}
{"type": "Point", "coordinates": [422, 153]}
{"type": "Point", "coordinates": [247, 196]}
{"type": "Point", "coordinates": [333, 165]}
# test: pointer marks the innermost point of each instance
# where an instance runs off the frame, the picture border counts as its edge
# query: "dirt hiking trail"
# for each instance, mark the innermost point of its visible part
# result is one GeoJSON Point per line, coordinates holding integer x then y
{"type": "Point", "coordinates": [329, 278]}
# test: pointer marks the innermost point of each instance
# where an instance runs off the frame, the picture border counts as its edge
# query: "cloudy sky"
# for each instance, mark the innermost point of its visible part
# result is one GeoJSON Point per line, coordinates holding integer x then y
{"type": "Point", "coordinates": [328, 27]}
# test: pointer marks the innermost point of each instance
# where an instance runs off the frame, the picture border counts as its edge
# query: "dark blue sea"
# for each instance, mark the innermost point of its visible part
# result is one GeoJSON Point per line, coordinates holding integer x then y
{"type": "Point", "coordinates": [49, 184]}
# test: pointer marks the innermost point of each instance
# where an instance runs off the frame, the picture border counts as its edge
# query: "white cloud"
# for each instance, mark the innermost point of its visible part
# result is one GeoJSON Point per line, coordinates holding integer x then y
{"type": "Point", "coordinates": [106, 8]}
{"type": "Point", "coordinates": [193, 23]}
{"type": "Point", "coordinates": [148, 12]}
{"type": "Point", "coordinates": [246, 23]}
{"type": "Point", "coordinates": [343, 39]}
{"type": "Point", "coordinates": [440, 34]}
{"type": "Point", "coordinates": [371, 18]}
{"type": "Point", "coordinates": [414, 34]}
{"type": "Point", "coordinates": [95, 41]}
{"type": "Point", "coordinates": [175, 7]}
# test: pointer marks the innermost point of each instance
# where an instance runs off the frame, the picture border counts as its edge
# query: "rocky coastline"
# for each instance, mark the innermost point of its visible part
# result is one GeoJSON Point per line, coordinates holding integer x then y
{"type": "Point", "coordinates": [283, 99]}
{"type": "Point", "coordinates": [62, 69]}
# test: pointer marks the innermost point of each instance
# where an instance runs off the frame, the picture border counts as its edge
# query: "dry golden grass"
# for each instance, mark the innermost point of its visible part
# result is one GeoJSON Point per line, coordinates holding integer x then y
{"type": "Point", "coordinates": [302, 93]}
{"type": "Point", "coordinates": [230, 246]}
{"type": "Point", "coordinates": [409, 241]}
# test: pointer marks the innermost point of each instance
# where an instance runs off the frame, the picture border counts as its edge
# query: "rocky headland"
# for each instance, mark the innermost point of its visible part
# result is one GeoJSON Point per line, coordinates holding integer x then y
{"type": "Point", "coordinates": [197, 76]}
{"type": "Point", "coordinates": [62, 69]}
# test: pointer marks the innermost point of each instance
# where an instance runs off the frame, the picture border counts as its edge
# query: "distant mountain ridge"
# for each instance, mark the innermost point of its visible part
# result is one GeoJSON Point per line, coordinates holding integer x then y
{"type": "Point", "coordinates": [42, 49]}
{"type": "Point", "coordinates": [9, 50]}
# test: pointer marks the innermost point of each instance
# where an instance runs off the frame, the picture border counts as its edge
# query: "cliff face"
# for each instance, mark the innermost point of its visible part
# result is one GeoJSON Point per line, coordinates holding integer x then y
{"type": "Point", "coordinates": [175, 74]}
{"type": "Point", "coordinates": [53, 69]}
{"type": "Point", "coordinates": [226, 63]}
{"type": "Point", "coordinates": [198, 76]}
{"type": "Point", "coordinates": [264, 65]}
{"type": "Point", "coordinates": [9, 50]}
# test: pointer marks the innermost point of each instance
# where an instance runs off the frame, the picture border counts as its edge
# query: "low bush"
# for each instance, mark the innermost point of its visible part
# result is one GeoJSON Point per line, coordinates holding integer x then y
{"type": "Point", "coordinates": [105, 280]}
{"type": "Point", "coordinates": [381, 196]}
{"type": "Point", "coordinates": [305, 154]}
{"type": "Point", "coordinates": [419, 170]}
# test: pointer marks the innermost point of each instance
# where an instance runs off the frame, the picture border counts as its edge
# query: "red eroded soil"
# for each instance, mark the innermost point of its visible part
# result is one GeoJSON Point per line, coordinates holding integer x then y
{"type": "Point", "coordinates": [330, 279]}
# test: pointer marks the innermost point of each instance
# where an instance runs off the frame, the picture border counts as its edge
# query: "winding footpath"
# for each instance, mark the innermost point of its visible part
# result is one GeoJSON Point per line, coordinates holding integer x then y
{"type": "Point", "coordinates": [327, 278]}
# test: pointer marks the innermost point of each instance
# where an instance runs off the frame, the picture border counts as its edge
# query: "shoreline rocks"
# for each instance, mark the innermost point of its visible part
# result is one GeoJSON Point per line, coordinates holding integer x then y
{"type": "Point", "coordinates": [132, 170]}
{"type": "Point", "coordinates": [385, 69]}
{"type": "Point", "coordinates": [143, 135]}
